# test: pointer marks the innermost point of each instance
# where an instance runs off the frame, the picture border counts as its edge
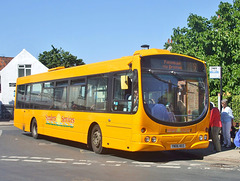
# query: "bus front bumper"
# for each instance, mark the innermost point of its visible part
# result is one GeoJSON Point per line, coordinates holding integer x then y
{"type": "Point", "coordinates": [170, 142]}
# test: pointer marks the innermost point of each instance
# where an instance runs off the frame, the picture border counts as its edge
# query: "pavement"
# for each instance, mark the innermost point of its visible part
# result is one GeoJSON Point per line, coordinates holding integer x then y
{"type": "Point", "coordinates": [227, 155]}
{"type": "Point", "coordinates": [6, 122]}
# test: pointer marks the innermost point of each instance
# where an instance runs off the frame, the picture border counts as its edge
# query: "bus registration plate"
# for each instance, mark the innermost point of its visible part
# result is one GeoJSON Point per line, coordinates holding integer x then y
{"type": "Point", "coordinates": [178, 146]}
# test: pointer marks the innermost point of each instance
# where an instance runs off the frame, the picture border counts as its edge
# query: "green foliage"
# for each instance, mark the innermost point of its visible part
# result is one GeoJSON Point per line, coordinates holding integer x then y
{"type": "Point", "coordinates": [216, 41]}
{"type": "Point", "coordinates": [58, 57]}
{"type": "Point", "coordinates": [235, 102]}
{"type": "Point", "coordinates": [214, 99]}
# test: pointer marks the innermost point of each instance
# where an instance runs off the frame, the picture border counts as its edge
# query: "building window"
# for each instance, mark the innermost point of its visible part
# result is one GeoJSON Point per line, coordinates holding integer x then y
{"type": "Point", "coordinates": [24, 70]}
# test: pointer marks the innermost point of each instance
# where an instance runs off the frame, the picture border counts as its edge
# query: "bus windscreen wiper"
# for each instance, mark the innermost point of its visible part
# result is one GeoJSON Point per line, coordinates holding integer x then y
{"type": "Point", "coordinates": [181, 78]}
{"type": "Point", "coordinates": [158, 78]}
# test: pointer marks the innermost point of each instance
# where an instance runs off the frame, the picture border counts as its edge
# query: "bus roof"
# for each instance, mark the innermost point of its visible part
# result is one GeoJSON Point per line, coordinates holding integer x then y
{"type": "Point", "coordinates": [152, 51]}
{"type": "Point", "coordinates": [90, 69]}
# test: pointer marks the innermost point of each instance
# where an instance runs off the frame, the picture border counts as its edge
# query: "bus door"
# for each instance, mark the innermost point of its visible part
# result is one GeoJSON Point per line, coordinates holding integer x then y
{"type": "Point", "coordinates": [124, 104]}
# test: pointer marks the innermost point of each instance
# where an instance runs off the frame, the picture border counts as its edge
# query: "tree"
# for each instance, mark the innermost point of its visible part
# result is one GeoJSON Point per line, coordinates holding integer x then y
{"type": "Point", "coordinates": [216, 41]}
{"type": "Point", "coordinates": [58, 57]}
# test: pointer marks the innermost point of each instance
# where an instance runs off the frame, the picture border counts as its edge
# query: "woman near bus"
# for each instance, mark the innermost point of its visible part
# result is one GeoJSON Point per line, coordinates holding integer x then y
{"type": "Point", "coordinates": [227, 118]}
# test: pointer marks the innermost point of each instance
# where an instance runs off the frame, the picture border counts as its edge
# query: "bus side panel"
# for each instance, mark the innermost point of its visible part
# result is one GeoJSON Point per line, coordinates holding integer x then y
{"type": "Point", "coordinates": [28, 116]}
{"type": "Point", "coordinates": [117, 132]}
{"type": "Point", "coordinates": [62, 124]}
{"type": "Point", "coordinates": [19, 118]}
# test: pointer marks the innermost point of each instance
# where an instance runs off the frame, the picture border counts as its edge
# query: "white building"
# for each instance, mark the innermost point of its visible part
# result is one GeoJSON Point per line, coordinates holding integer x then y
{"type": "Point", "coordinates": [22, 65]}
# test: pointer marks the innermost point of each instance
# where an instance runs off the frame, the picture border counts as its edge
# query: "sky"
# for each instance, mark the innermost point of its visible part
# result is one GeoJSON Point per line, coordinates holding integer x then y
{"type": "Point", "coordinates": [94, 30]}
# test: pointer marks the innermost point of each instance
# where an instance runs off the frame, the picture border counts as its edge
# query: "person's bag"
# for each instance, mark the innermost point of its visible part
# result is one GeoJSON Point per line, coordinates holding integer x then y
{"type": "Point", "coordinates": [237, 139]}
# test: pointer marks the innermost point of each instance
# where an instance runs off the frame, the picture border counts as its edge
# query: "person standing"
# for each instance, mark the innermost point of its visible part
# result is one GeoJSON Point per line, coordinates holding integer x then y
{"type": "Point", "coordinates": [227, 119]}
{"type": "Point", "coordinates": [215, 125]}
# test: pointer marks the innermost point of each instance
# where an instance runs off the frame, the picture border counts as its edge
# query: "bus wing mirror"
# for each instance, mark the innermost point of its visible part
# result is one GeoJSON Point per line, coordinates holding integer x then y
{"type": "Point", "coordinates": [124, 82]}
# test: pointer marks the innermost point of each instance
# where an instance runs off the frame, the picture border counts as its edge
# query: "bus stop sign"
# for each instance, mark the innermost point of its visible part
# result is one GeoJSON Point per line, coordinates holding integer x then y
{"type": "Point", "coordinates": [215, 72]}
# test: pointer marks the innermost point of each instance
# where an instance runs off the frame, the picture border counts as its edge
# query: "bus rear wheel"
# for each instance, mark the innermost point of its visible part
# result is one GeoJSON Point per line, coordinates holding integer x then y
{"type": "Point", "coordinates": [96, 139]}
{"type": "Point", "coordinates": [34, 129]}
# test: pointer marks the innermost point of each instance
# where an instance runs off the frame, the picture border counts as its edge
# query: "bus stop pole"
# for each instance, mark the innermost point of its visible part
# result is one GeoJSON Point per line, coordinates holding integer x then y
{"type": "Point", "coordinates": [220, 89]}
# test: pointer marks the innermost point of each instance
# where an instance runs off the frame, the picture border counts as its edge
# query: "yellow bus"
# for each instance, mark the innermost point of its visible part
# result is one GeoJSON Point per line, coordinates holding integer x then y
{"type": "Point", "coordinates": [154, 100]}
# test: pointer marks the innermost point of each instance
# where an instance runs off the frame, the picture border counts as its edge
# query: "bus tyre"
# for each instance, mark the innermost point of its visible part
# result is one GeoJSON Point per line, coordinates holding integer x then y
{"type": "Point", "coordinates": [96, 139]}
{"type": "Point", "coordinates": [34, 129]}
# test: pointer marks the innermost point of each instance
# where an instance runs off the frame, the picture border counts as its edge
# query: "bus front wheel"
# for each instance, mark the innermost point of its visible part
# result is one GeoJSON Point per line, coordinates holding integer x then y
{"type": "Point", "coordinates": [34, 129]}
{"type": "Point", "coordinates": [96, 139]}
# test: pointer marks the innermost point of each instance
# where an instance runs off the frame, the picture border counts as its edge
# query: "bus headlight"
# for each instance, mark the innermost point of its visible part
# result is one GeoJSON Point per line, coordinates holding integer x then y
{"type": "Point", "coordinates": [200, 137]}
{"type": "Point", "coordinates": [205, 137]}
{"type": "Point", "coordinates": [147, 139]}
{"type": "Point", "coordinates": [154, 139]}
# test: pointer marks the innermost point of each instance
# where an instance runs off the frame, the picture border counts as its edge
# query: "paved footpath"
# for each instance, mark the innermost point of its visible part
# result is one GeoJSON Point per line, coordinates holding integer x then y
{"type": "Point", "coordinates": [6, 123]}
{"type": "Point", "coordinates": [226, 155]}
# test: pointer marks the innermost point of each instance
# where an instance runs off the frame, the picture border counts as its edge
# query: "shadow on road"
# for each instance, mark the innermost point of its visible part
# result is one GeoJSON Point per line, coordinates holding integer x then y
{"type": "Point", "coordinates": [167, 156]}
{"type": "Point", "coordinates": [59, 141]}
{"type": "Point", "coordinates": [160, 156]}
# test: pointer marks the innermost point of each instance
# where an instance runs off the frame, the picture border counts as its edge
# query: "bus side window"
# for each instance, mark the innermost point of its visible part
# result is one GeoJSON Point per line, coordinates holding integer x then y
{"type": "Point", "coordinates": [20, 96]}
{"type": "Point", "coordinates": [47, 95]}
{"type": "Point", "coordinates": [135, 91]}
{"type": "Point", "coordinates": [97, 93]}
{"type": "Point", "coordinates": [27, 96]}
{"type": "Point", "coordinates": [122, 90]}
{"type": "Point", "coordinates": [23, 96]}
{"type": "Point", "coordinates": [35, 97]}
{"type": "Point", "coordinates": [77, 92]}
{"type": "Point", "coordinates": [60, 95]}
